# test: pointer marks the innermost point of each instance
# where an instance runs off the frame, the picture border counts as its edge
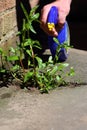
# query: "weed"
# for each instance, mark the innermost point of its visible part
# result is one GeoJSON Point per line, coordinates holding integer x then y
{"type": "Point", "coordinates": [43, 75]}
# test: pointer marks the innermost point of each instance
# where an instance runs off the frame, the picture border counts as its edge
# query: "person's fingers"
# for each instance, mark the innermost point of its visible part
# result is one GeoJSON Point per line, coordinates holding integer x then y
{"type": "Point", "coordinates": [54, 32]}
{"type": "Point", "coordinates": [44, 15]}
{"type": "Point", "coordinates": [45, 28]}
{"type": "Point", "coordinates": [61, 20]}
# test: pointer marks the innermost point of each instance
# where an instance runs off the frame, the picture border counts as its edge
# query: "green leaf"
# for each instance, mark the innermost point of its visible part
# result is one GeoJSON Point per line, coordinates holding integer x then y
{"type": "Point", "coordinates": [33, 10]}
{"type": "Point", "coordinates": [28, 42]}
{"type": "Point", "coordinates": [12, 49]}
{"type": "Point", "coordinates": [35, 16]}
{"type": "Point", "coordinates": [12, 58]}
{"type": "Point", "coordinates": [40, 62]}
{"type": "Point", "coordinates": [68, 40]}
{"type": "Point", "coordinates": [29, 52]}
{"type": "Point", "coordinates": [58, 78]}
{"type": "Point", "coordinates": [29, 62]}
{"type": "Point", "coordinates": [61, 66]}
{"type": "Point", "coordinates": [18, 33]}
{"type": "Point", "coordinates": [36, 46]}
{"type": "Point", "coordinates": [28, 76]}
{"type": "Point", "coordinates": [65, 64]}
{"type": "Point", "coordinates": [28, 25]}
{"type": "Point", "coordinates": [35, 42]}
{"type": "Point", "coordinates": [32, 29]}
{"type": "Point", "coordinates": [25, 12]}
{"type": "Point", "coordinates": [1, 50]}
{"type": "Point", "coordinates": [44, 90]}
{"type": "Point", "coordinates": [56, 40]}
{"type": "Point", "coordinates": [72, 72]}
{"type": "Point", "coordinates": [50, 59]}
{"type": "Point", "coordinates": [2, 70]}
{"type": "Point", "coordinates": [15, 68]}
{"type": "Point", "coordinates": [54, 70]}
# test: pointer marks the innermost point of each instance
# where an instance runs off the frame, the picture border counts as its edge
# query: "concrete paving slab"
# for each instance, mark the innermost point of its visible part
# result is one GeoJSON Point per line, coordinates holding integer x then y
{"type": "Point", "coordinates": [78, 59]}
{"type": "Point", "coordinates": [61, 109]}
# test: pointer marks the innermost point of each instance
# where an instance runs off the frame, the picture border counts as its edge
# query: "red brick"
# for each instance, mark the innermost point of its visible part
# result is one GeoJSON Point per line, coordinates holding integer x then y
{"type": "Point", "coordinates": [9, 21]}
{"type": "Point", "coordinates": [6, 4]}
{"type": "Point", "coordinates": [1, 26]}
{"type": "Point", "coordinates": [9, 4]}
{"type": "Point", "coordinates": [1, 5]}
{"type": "Point", "coordinates": [10, 41]}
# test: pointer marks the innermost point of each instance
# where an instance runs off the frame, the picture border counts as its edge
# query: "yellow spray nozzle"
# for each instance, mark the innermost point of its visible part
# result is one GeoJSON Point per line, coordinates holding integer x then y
{"type": "Point", "coordinates": [50, 26]}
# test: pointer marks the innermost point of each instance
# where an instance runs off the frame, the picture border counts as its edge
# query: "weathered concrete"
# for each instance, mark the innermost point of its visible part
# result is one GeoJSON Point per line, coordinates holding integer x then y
{"type": "Point", "coordinates": [61, 109]}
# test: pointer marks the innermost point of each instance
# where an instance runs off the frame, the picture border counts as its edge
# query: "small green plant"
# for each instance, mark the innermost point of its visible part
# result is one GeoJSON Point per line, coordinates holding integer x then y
{"type": "Point", "coordinates": [43, 75]}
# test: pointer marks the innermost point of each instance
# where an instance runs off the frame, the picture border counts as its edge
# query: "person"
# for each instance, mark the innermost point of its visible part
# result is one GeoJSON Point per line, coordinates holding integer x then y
{"type": "Point", "coordinates": [63, 8]}
{"type": "Point", "coordinates": [43, 31]}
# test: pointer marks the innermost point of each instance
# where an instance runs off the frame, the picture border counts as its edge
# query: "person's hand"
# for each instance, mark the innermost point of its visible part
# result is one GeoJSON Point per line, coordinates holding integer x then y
{"type": "Point", "coordinates": [63, 8]}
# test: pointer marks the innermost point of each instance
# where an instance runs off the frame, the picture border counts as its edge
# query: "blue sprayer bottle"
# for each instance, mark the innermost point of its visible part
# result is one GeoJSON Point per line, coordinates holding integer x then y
{"type": "Point", "coordinates": [63, 34]}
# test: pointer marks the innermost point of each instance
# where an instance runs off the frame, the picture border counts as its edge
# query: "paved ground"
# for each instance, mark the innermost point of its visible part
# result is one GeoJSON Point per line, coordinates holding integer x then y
{"type": "Point", "coordinates": [61, 109]}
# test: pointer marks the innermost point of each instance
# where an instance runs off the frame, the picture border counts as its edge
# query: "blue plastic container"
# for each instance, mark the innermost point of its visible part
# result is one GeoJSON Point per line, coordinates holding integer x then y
{"type": "Point", "coordinates": [63, 35]}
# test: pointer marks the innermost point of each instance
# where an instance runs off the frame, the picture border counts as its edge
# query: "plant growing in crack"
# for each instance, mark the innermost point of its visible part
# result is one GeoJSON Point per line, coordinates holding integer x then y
{"type": "Point", "coordinates": [43, 75]}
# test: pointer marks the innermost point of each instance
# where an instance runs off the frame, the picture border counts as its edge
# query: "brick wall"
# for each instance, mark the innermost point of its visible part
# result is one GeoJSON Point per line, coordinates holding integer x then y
{"type": "Point", "coordinates": [8, 24]}
{"type": "Point", "coordinates": [8, 19]}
